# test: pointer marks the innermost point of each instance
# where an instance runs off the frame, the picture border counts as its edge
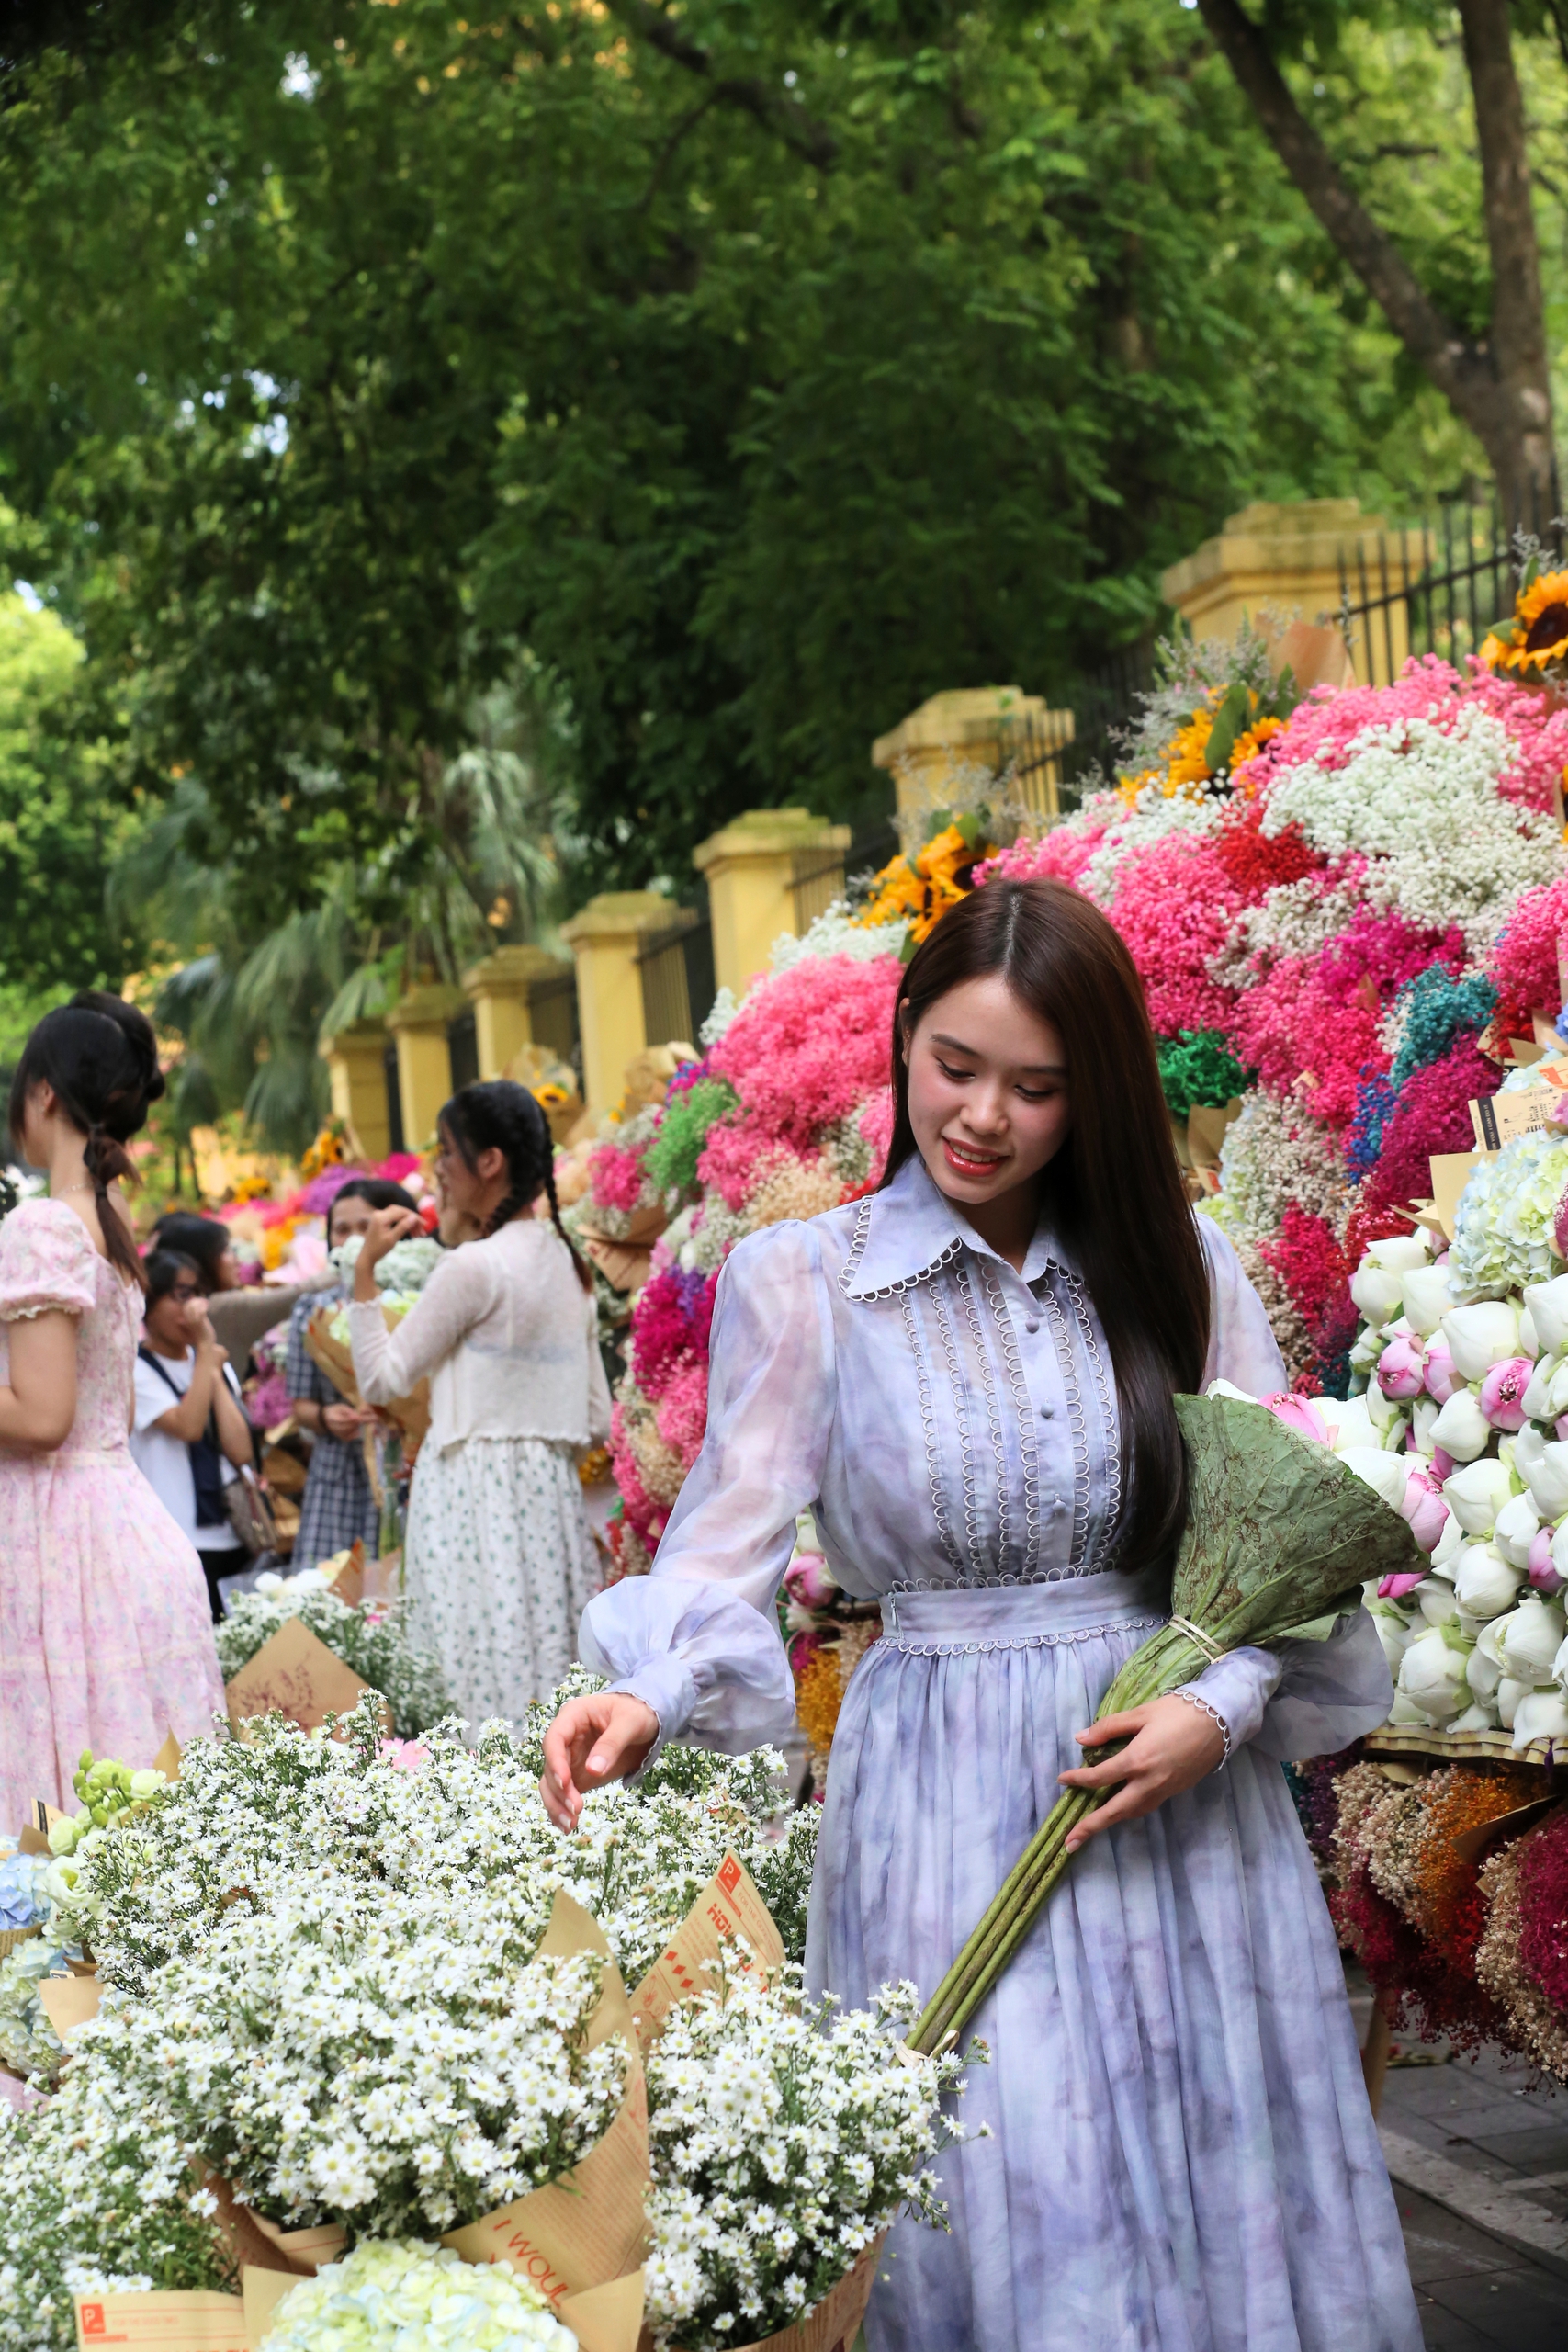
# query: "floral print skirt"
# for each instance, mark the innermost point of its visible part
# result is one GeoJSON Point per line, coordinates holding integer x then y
{"type": "Point", "coordinates": [499, 1566]}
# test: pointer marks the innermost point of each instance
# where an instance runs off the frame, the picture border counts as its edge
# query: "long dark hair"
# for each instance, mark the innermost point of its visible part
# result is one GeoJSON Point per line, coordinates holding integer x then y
{"type": "Point", "coordinates": [103, 1083]}
{"type": "Point", "coordinates": [1114, 1191]}
{"type": "Point", "coordinates": [497, 1114]}
{"type": "Point", "coordinates": [376, 1191]}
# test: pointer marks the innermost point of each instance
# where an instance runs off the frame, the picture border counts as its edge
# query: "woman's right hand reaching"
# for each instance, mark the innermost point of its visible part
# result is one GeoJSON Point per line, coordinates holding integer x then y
{"type": "Point", "coordinates": [592, 1740]}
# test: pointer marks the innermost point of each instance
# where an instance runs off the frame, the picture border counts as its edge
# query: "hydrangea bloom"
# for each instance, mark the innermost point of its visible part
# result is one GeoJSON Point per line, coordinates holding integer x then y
{"type": "Point", "coordinates": [1506, 1218]}
{"type": "Point", "coordinates": [389, 2293]}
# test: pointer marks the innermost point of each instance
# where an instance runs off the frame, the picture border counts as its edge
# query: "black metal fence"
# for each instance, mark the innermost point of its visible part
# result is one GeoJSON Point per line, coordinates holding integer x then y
{"type": "Point", "coordinates": [676, 964]}
{"type": "Point", "coordinates": [552, 1017]}
{"type": "Point", "coordinates": [1070, 748]}
{"type": "Point", "coordinates": [1434, 586]}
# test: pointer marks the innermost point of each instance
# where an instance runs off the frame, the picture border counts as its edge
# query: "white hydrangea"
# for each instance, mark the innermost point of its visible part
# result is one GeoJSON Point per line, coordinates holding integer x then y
{"type": "Point", "coordinates": [389, 2295]}
{"type": "Point", "coordinates": [1504, 1224]}
{"type": "Point", "coordinates": [406, 1268]}
{"type": "Point", "coordinates": [784, 2136]}
{"type": "Point", "coordinates": [1421, 803]}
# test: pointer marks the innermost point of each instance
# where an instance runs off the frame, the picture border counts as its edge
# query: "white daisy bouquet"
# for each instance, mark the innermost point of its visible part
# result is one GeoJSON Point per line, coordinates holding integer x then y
{"type": "Point", "coordinates": [387, 2060]}
{"type": "Point", "coordinates": [370, 1636]}
{"type": "Point", "coordinates": [784, 2136]}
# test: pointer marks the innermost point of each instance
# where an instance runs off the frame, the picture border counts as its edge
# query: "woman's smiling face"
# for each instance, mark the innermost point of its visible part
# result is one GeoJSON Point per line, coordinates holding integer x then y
{"type": "Point", "coordinates": [989, 1099]}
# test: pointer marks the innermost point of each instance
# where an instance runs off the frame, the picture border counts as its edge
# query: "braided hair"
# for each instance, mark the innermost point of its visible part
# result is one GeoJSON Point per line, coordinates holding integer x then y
{"type": "Point", "coordinates": [105, 1076]}
{"type": "Point", "coordinates": [496, 1114]}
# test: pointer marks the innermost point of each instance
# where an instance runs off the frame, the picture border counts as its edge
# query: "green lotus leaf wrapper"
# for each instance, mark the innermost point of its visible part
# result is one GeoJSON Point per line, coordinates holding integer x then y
{"type": "Point", "coordinates": [1279, 1538]}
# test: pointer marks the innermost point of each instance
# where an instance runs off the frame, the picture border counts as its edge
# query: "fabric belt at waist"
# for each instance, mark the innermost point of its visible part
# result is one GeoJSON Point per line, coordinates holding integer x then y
{"type": "Point", "coordinates": [956, 1618]}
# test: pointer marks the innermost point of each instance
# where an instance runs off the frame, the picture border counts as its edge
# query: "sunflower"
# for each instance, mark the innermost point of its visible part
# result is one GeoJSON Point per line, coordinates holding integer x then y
{"type": "Point", "coordinates": [922, 889]}
{"type": "Point", "coordinates": [1539, 633]}
{"type": "Point", "coordinates": [1246, 747]}
{"type": "Point", "coordinates": [1189, 769]}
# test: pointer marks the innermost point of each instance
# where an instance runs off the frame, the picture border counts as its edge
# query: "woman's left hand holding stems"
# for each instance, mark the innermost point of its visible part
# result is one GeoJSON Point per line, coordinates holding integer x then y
{"type": "Point", "coordinates": [1172, 1746]}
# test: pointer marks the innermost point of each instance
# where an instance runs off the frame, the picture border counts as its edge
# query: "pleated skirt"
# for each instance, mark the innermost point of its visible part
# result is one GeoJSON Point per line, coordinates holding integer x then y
{"type": "Point", "coordinates": [1181, 2155]}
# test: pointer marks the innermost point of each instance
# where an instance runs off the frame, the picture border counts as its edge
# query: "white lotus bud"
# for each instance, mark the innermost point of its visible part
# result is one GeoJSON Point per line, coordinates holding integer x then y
{"type": "Point", "coordinates": [1479, 1717]}
{"type": "Point", "coordinates": [1537, 1398]}
{"type": "Point", "coordinates": [1557, 1393]}
{"type": "Point", "coordinates": [1534, 1634]}
{"type": "Point", "coordinates": [1548, 1305]}
{"type": "Point", "coordinates": [1540, 1714]}
{"type": "Point", "coordinates": [1476, 1494]}
{"type": "Point", "coordinates": [1481, 1336]}
{"type": "Point", "coordinates": [1437, 1600]}
{"type": "Point", "coordinates": [1428, 1295]}
{"type": "Point", "coordinates": [1350, 1422]}
{"type": "Point", "coordinates": [1483, 1672]}
{"type": "Point", "coordinates": [1401, 1251]}
{"type": "Point", "coordinates": [1375, 1291]}
{"type": "Point", "coordinates": [1485, 1585]}
{"type": "Point", "coordinates": [1450, 1544]}
{"type": "Point", "coordinates": [1461, 1428]}
{"type": "Point", "coordinates": [1530, 1345]}
{"type": "Point", "coordinates": [1387, 1416]}
{"type": "Point", "coordinates": [1507, 1697]}
{"type": "Point", "coordinates": [1386, 1474]}
{"type": "Point", "coordinates": [1431, 1675]}
{"type": "Point", "coordinates": [1516, 1526]}
{"type": "Point", "coordinates": [1404, 1710]}
{"type": "Point", "coordinates": [1542, 1464]}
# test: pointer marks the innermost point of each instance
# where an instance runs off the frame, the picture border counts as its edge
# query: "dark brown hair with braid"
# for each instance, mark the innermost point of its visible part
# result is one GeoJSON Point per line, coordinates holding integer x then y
{"type": "Point", "coordinates": [104, 1075]}
{"type": "Point", "coordinates": [496, 1114]}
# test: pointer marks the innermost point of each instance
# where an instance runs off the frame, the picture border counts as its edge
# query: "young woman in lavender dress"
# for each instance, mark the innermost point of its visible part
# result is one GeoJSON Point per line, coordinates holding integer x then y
{"type": "Point", "coordinates": [968, 1379]}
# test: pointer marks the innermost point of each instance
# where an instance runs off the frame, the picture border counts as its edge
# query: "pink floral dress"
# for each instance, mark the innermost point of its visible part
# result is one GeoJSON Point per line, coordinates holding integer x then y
{"type": "Point", "coordinates": [105, 1635]}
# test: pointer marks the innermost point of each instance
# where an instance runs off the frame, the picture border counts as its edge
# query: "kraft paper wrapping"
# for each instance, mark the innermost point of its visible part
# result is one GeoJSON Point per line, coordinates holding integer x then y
{"type": "Point", "coordinates": [11, 1936]}
{"type": "Point", "coordinates": [729, 1906]}
{"type": "Point", "coordinates": [295, 1675]}
{"type": "Point", "coordinates": [335, 1358]}
{"type": "Point", "coordinates": [187, 2321]}
{"type": "Point", "coordinates": [589, 2232]}
{"type": "Point", "coordinates": [830, 2326]}
{"type": "Point", "coordinates": [70, 2002]}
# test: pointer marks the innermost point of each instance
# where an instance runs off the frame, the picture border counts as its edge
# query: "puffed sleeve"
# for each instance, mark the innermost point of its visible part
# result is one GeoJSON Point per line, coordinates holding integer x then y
{"type": "Point", "coordinates": [1298, 1699]}
{"type": "Point", "coordinates": [697, 1640]}
{"type": "Point", "coordinates": [48, 1263]}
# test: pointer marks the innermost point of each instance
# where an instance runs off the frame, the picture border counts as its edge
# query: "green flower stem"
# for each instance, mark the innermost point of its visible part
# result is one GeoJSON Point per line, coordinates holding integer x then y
{"type": "Point", "coordinates": [1162, 1665]}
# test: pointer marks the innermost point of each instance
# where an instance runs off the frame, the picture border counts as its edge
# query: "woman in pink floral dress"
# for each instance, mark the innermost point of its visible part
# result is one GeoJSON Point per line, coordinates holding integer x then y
{"type": "Point", "coordinates": [106, 1638]}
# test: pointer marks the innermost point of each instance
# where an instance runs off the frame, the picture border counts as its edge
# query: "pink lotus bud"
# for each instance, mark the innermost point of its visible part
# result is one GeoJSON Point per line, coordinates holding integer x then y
{"type": "Point", "coordinates": [1503, 1393]}
{"type": "Point", "coordinates": [1543, 1573]}
{"type": "Point", "coordinates": [1560, 1227]}
{"type": "Point", "coordinates": [1441, 1378]}
{"type": "Point", "coordinates": [1425, 1509]}
{"type": "Point", "coordinates": [809, 1582]}
{"type": "Point", "coordinates": [1400, 1368]}
{"type": "Point", "coordinates": [1560, 1426]}
{"type": "Point", "coordinates": [1395, 1588]}
{"type": "Point", "coordinates": [1443, 1464]}
{"type": "Point", "coordinates": [1298, 1413]}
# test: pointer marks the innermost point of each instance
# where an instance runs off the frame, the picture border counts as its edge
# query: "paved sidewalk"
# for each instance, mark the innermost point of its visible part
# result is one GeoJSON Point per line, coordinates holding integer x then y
{"type": "Point", "coordinates": [1479, 2155]}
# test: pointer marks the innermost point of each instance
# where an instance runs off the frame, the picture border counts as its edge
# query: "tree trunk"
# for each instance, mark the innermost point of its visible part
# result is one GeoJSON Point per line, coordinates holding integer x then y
{"type": "Point", "coordinates": [1501, 388]}
{"type": "Point", "coordinates": [1518, 324]}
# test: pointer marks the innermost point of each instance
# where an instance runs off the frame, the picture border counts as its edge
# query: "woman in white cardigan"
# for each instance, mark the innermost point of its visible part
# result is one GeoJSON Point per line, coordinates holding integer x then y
{"type": "Point", "coordinates": [498, 1562]}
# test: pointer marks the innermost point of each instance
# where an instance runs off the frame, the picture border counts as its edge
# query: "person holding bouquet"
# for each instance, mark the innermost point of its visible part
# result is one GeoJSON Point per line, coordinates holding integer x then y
{"type": "Point", "coordinates": [498, 1559]}
{"type": "Point", "coordinates": [105, 1633]}
{"type": "Point", "coordinates": [969, 1377]}
{"type": "Point", "coordinates": [339, 1507]}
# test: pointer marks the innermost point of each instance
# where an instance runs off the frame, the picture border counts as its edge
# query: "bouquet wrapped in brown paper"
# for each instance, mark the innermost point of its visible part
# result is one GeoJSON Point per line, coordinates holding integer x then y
{"type": "Point", "coordinates": [410, 1414]}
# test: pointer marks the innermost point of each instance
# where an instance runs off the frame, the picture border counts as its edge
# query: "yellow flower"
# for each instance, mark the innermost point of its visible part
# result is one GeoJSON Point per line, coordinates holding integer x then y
{"type": "Point", "coordinates": [1539, 634]}
{"type": "Point", "coordinates": [1188, 766]}
{"type": "Point", "coordinates": [327, 1151]}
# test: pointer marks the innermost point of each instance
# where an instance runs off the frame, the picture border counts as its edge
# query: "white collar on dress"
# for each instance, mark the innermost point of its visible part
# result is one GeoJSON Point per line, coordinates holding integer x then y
{"type": "Point", "coordinates": [912, 1228]}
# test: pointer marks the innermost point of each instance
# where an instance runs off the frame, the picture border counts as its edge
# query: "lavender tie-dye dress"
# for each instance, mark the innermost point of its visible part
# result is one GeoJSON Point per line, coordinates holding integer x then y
{"type": "Point", "coordinates": [1183, 2156]}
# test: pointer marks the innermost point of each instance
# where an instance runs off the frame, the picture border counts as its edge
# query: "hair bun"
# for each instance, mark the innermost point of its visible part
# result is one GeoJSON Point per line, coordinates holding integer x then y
{"type": "Point", "coordinates": [150, 1084]}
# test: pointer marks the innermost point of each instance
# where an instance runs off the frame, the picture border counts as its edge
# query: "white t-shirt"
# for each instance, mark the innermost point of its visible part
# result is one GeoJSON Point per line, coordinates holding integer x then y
{"type": "Point", "coordinates": [165, 1460]}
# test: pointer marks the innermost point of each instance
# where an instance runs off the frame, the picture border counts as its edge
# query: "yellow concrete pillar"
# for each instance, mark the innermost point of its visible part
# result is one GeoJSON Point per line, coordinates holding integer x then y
{"type": "Point", "coordinates": [419, 1022]}
{"type": "Point", "coordinates": [605, 937]}
{"type": "Point", "coordinates": [357, 1064]}
{"type": "Point", "coordinates": [752, 867]}
{"type": "Point", "coordinates": [1297, 558]}
{"type": "Point", "coordinates": [940, 745]}
{"type": "Point", "coordinates": [498, 989]}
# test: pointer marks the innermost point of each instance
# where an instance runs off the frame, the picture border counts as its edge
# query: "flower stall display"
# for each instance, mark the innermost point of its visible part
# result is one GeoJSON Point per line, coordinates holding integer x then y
{"type": "Point", "coordinates": [1450, 1883]}
{"type": "Point", "coordinates": [401, 1276]}
{"type": "Point", "coordinates": [324, 2000]}
{"type": "Point", "coordinates": [370, 1636]}
{"type": "Point", "coordinates": [1531, 644]}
